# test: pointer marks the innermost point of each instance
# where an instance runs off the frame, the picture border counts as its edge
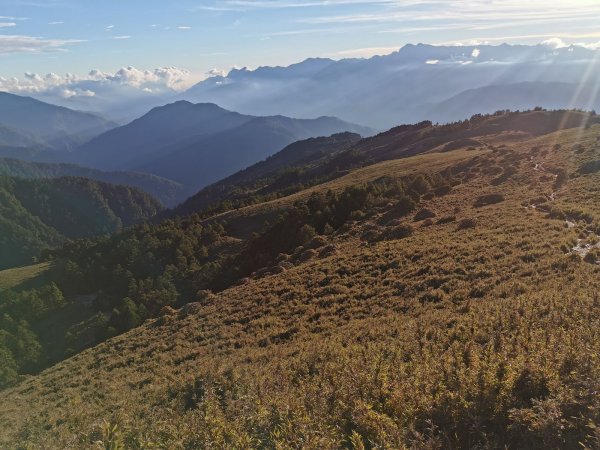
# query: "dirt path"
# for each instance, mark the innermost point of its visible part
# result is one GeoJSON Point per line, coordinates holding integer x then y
{"type": "Point", "coordinates": [584, 245]}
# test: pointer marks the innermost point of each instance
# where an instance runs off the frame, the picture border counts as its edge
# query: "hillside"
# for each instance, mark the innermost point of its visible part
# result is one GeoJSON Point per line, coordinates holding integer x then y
{"type": "Point", "coordinates": [49, 127]}
{"type": "Point", "coordinates": [198, 144]}
{"type": "Point", "coordinates": [168, 192]}
{"type": "Point", "coordinates": [37, 214]}
{"type": "Point", "coordinates": [283, 174]}
{"type": "Point", "coordinates": [19, 276]}
{"type": "Point", "coordinates": [303, 162]}
{"type": "Point", "coordinates": [10, 137]}
{"type": "Point", "coordinates": [443, 300]}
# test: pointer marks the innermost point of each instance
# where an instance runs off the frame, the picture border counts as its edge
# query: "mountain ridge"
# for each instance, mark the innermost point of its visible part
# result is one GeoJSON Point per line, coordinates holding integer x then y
{"type": "Point", "coordinates": [401, 87]}
{"type": "Point", "coordinates": [197, 144]}
{"type": "Point", "coordinates": [168, 192]}
{"type": "Point", "coordinates": [58, 127]}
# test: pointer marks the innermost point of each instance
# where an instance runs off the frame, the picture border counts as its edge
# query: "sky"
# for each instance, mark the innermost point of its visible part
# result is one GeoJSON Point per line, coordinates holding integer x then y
{"type": "Point", "coordinates": [192, 38]}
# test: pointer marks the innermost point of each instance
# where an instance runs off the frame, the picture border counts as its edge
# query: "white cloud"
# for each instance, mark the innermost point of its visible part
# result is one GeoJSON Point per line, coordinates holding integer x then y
{"type": "Point", "coordinates": [184, 27]}
{"type": "Point", "coordinates": [120, 93]}
{"type": "Point", "coordinates": [55, 23]}
{"type": "Point", "coordinates": [365, 52]}
{"type": "Point", "coordinates": [120, 38]}
{"type": "Point", "coordinates": [7, 24]}
{"type": "Point", "coordinates": [162, 79]}
{"type": "Point", "coordinates": [432, 62]}
{"type": "Point", "coordinates": [70, 93]}
{"type": "Point", "coordinates": [589, 45]}
{"type": "Point", "coordinates": [554, 43]}
{"type": "Point", "coordinates": [476, 52]}
{"type": "Point", "coordinates": [32, 44]}
{"type": "Point", "coordinates": [216, 73]}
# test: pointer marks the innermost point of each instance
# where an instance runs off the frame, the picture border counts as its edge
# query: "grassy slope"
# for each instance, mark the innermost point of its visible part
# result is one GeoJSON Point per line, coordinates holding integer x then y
{"type": "Point", "coordinates": [480, 336]}
{"type": "Point", "coordinates": [12, 278]}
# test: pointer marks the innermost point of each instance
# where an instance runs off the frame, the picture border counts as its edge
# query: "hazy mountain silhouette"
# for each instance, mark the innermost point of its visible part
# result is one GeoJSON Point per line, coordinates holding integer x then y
{"type": "Point", "coordinates": [197, 144]}
{"type": "Point", "coordinates": [402, 87]}
{"type": "Point", "coordinates": [29, 123]}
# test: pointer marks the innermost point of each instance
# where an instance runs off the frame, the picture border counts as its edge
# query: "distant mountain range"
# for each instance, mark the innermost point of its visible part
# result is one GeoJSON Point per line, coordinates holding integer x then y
{"type": "Point", "coordinates": [168, 192]}
{"type": "Point", "coordinates": [37, 214]}
{"type": "Point", "coordinates": [416, 83]}
{"type": "Point", "coordinates": [403, 87]}
{"type": "Point", "coordinates": [198, 144]}
{"type": "Point", "coordinates": [32, 125]}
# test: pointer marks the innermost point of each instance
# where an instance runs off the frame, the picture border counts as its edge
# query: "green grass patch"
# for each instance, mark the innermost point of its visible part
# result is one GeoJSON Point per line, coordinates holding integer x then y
{"type": "Point", "coordinates": [12, 278]}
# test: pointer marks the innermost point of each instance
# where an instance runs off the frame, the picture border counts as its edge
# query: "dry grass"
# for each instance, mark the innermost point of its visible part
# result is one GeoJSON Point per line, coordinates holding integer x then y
{"type": "Point", "coordinates": [482, 337]}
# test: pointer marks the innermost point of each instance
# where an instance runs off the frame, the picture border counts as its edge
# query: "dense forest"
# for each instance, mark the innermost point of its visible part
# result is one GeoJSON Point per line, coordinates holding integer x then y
{"type": "Point", "coordinates": [39, 214]}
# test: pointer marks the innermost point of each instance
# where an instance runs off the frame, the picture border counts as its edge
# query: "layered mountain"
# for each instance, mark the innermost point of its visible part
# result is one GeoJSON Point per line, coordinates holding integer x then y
{"type": "Point", "coordinates": [406, 86]}
{"type": "Point", "coordinates": [313, 161]}
{"type": "Point", "coordinates": [168, 192]}
{"type": "Point", "coordinates": [34, 125]}
{"type": "Point", "coordinates": [198, 144]}
{"type": "Point", "coordinates": [449, 281]}
{"type": "Point", "coordinates": [39, 214]}
{"type": "Point", "coordinates": [299, 164]}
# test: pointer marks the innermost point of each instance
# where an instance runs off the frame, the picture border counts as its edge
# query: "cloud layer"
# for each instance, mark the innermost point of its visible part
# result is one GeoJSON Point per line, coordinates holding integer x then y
{"type": "Point", "coordinates": [121, 95]}
{"type": "Point", "coordinates": [31, 44]}
{"type": "Point", "coordinates": [70, 85]}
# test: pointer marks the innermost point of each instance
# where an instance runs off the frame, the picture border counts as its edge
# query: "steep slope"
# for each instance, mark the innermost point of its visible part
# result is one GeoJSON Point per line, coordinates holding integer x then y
{"type": "Point", "coordinates": [467, 320]}
{"type": "Point", "coordinates": [254, 187]}
{"type": "Point", "coordinates": [166, 126]}
{"type": "Point", "coordinates": [37, 214]}
{"type": "Point", "coordinates": [220, 155]}
{"type": "Point", "coordinates": [402, 87]}
{"type": "Point", "coordinates": [10, 137]}
{"type": "Point", "coordinates": [168, 192]}
{"type": "Point", "coordinates": [57, 127]}
{"type": "Point", "coordinates": [200, 144]}
{"type": "Point", "coordinates": [303, 162]}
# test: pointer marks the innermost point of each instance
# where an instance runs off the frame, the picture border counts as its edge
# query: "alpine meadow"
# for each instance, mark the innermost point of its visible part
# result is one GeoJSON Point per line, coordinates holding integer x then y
{"type": "Point", "coordinates": [348, 224]}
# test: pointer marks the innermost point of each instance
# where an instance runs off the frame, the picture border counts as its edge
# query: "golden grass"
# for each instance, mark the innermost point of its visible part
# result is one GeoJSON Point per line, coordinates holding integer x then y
{"type": "Point", "coordinates": [430, 162]}
{"type": "Point", "coordinates": [483, 337]}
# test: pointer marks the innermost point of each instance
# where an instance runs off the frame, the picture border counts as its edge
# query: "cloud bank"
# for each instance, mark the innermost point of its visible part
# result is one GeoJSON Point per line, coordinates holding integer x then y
{"type": "Point", "coordinates": [156, 80]}
{"type": "Point", "coordinates": [120, 95]}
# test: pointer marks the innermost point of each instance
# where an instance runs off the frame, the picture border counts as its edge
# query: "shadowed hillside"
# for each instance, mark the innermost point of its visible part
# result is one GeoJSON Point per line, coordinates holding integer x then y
{"type": "Point", "coordinates": [168, 192]}
{"type": "Point", "coordinates": [38, 214]}
{"type": "Point", "coordinates": [198, 144]}
{"type": "Point", "coordinates": [42, 126]}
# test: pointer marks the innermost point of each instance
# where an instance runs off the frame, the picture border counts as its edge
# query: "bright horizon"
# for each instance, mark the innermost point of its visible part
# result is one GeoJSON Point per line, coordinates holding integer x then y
{"type": "Point", "coordinates": [196, 38]}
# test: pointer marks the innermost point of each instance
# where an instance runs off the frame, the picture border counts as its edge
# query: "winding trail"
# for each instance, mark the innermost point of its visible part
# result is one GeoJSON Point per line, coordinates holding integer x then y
{"type": "Point", "coordinates": [584, 245]}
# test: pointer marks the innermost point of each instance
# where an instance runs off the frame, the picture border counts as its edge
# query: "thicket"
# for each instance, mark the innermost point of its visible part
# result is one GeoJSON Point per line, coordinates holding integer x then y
{"type": "Point", "coordinates": [20, 349]}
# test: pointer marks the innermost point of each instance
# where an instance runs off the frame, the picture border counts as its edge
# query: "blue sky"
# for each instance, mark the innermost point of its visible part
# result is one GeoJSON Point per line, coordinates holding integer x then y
{"type": "Point", "coordinates": [75, 36]}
